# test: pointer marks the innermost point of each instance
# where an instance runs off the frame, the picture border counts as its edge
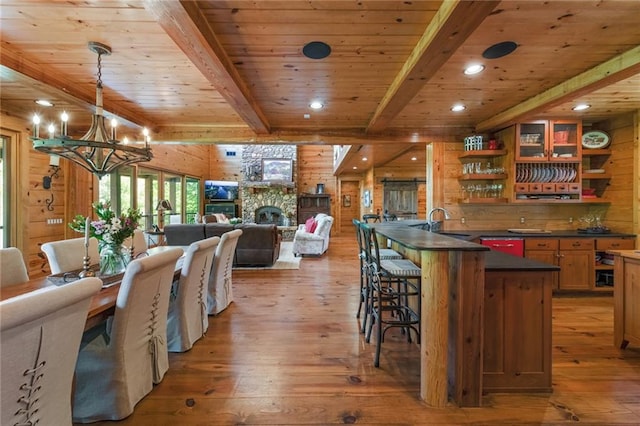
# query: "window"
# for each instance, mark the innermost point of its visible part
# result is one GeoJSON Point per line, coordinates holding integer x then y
{"type": "Point", "coordinates": [143, 188]}
{"type": "Point", "coordinates": [192, 202]}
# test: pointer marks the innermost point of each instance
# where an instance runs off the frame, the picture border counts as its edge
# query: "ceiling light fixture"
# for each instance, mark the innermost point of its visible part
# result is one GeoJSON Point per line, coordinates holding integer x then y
{"type": "Point", "coordinates": [581, 107]}
{"type": "Point", "coordinates": [44, 102]}
{"type": "Point", "coordinates": [458, 108]}
{"type": "Point", "coordinates": [98, 150]}
{"type": "Point", "coordinates": [364, 158]}
{"type": "Point", "coordinates": [414, 158]}
{"type": "Point", "coordinates": [474, 69]}
{"type": "Point", "coordinates": [316, 105]}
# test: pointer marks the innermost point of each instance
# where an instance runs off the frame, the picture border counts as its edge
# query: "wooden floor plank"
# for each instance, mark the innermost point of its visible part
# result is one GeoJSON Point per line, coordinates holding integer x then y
{"type": "Point", "coordinates": [288, 352]}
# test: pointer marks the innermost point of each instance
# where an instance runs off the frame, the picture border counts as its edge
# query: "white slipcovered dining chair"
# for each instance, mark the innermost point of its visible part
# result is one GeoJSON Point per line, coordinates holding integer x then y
{"type": "Point", "coordinates": [12, 267]}
{"type": "Point", "coordinates": [40, 336]}
{"type": "Point", "coordinates": [138, 242]}
{"type": "Point", "coordinates": [67, 255]}
{"type": "Point", "coordinates": [187, 320]}
{"type": "Point", "coordinates": [220, 290]}
{"type": "Point", "coordinates": [119, 367]}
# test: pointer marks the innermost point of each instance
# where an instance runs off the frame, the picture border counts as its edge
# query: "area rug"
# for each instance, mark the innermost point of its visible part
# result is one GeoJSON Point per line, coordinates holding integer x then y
{"type": "Point", "coordinates": [286, 260]}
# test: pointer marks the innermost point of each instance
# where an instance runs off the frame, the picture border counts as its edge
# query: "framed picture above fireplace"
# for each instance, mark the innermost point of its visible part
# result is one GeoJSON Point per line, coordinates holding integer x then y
{"type": "Point", "coordinates": [277, 169]}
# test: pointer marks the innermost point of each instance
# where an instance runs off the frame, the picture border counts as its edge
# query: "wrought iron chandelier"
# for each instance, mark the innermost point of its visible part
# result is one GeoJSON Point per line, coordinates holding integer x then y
{"type": "Point", "coordinates": [98, 150]}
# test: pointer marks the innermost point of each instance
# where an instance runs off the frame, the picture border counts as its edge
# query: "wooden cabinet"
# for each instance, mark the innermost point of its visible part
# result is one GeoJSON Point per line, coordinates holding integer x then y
{"type": "Point", "coordinates": [574, 256]}
{"type": "Point", "coordinates": [604, 270]}
{"type": "Point", "coordinates": [548, 161]}
{"type": "Point", "coordinates": [483, 176]}
{"type": "Point", "coordinates": [556, 140]}
{"type": "Point", "coordinates": [311, 204]}
{"type": "Point", "coordinates": [517, 331]}
{"type": "Point", "coordinates": [576, 260]}
{"type": "Point", "coordinates": [626, 294]}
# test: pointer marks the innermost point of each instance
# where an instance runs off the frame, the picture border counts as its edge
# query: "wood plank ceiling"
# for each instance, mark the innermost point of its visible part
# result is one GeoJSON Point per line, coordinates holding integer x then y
{"type": "Point", "coordinates": [234, 72]}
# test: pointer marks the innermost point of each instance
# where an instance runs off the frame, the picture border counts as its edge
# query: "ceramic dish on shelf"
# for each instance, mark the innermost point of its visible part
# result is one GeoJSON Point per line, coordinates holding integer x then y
{"type": "Point", "coordinates": [595, 139]}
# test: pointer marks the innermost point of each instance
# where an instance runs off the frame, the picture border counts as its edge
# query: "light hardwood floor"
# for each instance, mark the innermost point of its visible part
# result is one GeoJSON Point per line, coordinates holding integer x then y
{"type": "Point", "coordinates": [288, 352]}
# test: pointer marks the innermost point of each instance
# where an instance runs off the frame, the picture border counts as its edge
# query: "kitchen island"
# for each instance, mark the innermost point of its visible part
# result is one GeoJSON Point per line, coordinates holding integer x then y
{"type": "Point", "coordinates": [464, 286]}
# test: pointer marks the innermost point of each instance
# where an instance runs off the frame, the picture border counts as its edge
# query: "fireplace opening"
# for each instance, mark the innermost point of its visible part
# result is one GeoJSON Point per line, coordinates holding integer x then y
{"type": "Point", "coordinates": [269, 214]}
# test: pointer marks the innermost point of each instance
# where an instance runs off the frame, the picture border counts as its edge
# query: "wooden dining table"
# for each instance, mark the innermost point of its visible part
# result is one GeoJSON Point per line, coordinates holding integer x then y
{"type": "Point", "coordinates": [102, 304]}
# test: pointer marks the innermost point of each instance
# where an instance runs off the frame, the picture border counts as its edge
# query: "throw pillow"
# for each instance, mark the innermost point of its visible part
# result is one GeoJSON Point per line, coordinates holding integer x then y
{"type": "Point", "coordinates": [310, 225]}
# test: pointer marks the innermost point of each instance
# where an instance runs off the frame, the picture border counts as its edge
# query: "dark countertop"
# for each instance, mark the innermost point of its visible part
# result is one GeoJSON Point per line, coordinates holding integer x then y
{"type": "Point", "coordinates": [474, 234]}
{"type": "Point", "coordinates": [498, 261]}
{"type": "Point", "coordinates": [408, 233]}
{"type": "Point", "coordinates": [418, 239]}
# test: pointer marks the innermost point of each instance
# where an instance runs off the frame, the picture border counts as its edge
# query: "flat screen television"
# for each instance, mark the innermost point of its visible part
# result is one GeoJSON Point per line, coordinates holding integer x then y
{"type": "Point", "coordinates": [220, 190]}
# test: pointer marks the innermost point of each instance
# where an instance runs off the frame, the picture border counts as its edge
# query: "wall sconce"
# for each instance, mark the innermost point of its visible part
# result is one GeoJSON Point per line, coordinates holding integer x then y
{"type": "Point", "coordinates": [54, 169]}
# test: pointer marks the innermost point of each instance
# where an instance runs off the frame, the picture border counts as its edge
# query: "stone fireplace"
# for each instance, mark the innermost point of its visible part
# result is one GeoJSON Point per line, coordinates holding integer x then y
{"type": "Point", "coordinates": [267, 202]}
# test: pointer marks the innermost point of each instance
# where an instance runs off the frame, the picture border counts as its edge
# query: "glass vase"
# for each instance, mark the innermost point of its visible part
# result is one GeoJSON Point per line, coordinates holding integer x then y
{"type": "Point", "coordinates": [113, 259]}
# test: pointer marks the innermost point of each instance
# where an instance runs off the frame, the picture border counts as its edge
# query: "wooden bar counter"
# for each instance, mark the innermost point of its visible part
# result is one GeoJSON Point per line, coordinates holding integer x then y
{"type": "Point", "coordinates": [485, 321]}
{"type": "Point", "coordinates": [451, 318]}
{"type": "Point", "coordinates": [626, 297]}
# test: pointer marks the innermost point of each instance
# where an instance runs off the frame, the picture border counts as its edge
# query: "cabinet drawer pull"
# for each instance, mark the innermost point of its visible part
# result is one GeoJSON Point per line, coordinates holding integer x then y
{"type": "Point", "coordinates": [502, 245]}
{"type": "Point", "coordinates": [615, 244]}
{"type": "Point", "coordinates": [542, 245]}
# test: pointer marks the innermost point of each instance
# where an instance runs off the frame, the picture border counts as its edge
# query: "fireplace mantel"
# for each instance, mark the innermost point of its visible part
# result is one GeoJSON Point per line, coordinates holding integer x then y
{"type": "Point", "coordinates": [255, 186]}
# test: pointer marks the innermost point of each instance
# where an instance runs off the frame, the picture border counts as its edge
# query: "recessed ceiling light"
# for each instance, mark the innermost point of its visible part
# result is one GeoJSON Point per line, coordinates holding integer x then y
{"type": "Point", "coordinates": [44, 102]}
{"type": "Point", "coordinates": [581, 107]}
{"type": "Point", "coordinates": [458, 108]}
{"type": "Point", "coordinates": [355, 167]}
{"type": "Point", "coordinates": [316, 105]}
{"type": "Point", "coordinates": [474, 69]}
{"type": "Point", "coordinates": [307, 116]}
{"type": "Point", "coordinates": [499, 50]}
{"type": "Point", "coordinates": [414, 158]}
{"type": "Point", "coordinates": [364, 158]}
{"type": "Point", "coordinates": [316, 50]}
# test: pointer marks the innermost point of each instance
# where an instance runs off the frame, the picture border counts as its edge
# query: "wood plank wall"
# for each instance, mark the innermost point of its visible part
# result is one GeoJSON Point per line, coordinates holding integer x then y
{"type": "Point", "coordinates": [73, 189]}
{"type": "Point", "coordinates": [618, 215]}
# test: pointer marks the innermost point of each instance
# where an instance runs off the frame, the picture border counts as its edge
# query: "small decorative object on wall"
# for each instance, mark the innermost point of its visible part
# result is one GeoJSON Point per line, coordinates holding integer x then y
{"type": "Point", "coordinates": [277, 169]}
{"type": "Point", "coordinates": [367, 198]}
{"type": "Point", "coordinates": [346, 201]}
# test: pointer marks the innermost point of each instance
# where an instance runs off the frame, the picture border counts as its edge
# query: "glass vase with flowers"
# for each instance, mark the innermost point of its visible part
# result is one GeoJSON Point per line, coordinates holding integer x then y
{"type": "Point", "coordinates": [110, 230]}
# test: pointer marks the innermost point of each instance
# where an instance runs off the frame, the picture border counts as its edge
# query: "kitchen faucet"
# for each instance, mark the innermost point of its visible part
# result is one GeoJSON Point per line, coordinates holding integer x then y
{"type": "Point", "coordinates": [434, 226]}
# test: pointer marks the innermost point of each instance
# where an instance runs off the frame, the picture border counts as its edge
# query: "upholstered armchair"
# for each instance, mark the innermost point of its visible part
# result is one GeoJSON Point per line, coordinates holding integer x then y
{"type": "Point", "coordinates": [312, 237]}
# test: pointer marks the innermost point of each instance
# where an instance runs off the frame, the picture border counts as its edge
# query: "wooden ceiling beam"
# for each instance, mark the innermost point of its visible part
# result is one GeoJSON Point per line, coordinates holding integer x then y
{"type": "Point", "coordinates": [612, 71]}
{"type": "Point", "coordinates": [228, 135]}
{"type": "Point", "coordinates": [184, 22]}
{"type": "Point", "coordinates": [20, 69]}
{"type": "Point", "coordinates": [454, 22]}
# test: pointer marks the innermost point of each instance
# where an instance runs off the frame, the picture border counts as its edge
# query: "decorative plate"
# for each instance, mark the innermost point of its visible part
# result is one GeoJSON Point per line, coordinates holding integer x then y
{"type": "Point", "coordinates": [595, 140]}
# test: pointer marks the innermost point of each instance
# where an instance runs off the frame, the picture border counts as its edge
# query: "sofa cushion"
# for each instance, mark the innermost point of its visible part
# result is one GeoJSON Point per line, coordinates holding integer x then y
{"type": "Point", "coordinates": [310, 225]}
{"type": "Point", "coordinates": [216, 229]}
{"type": "Point", "coordinates": [184, 234]}
{"type": "Point", "coordinates": [259, 244]}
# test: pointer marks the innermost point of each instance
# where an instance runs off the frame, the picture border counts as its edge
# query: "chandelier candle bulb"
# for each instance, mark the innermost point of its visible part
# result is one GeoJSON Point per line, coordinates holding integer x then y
{"type": "Point", "coordinates": [114, 124]}
{"type": "Point", "coordinates": [64, 117]}
{"type": "Point", "coordinates": [36, 126]}
{"type": "Point", "coordinates": [52, 130]}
